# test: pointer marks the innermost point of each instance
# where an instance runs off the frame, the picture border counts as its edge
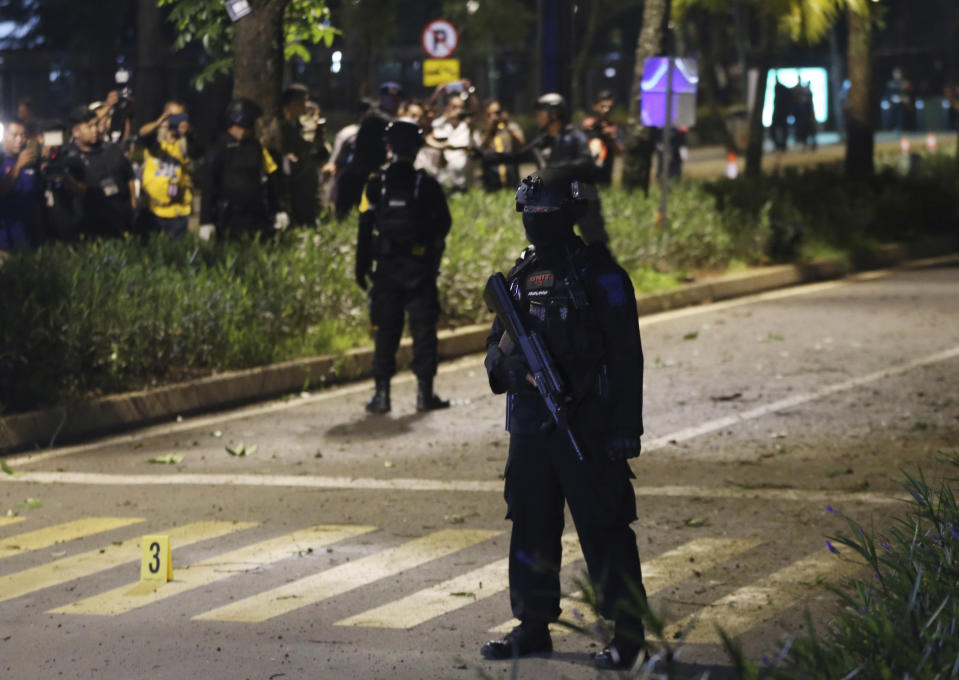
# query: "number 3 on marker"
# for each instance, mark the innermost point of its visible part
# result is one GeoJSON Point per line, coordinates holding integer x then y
{"type": "Point", "coordinates": [156, 565]}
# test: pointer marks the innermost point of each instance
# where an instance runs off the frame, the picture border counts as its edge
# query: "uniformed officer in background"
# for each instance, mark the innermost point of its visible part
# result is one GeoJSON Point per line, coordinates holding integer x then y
{"type": "Point", "coordinates": [240, 184]}
{"type": "Point", "coordinates": [403, 225]}
{"type": "Point", "coordinates": [583, 306]}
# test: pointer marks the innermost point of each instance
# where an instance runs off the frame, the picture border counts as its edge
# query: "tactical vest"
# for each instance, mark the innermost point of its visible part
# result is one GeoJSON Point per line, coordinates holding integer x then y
{"type": "Point", "coordinates": [399, 215]}
{"type": "Point", "coordinates": [555, 305]}
{"type": "Point", "coordinates": [244, 171]}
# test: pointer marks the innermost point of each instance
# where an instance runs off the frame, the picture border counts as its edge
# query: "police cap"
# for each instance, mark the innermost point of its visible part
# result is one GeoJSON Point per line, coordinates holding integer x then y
{"type": "Point", "coordinates": [552, 189]}
{"type": "Point", "coordinates": [243, 113]}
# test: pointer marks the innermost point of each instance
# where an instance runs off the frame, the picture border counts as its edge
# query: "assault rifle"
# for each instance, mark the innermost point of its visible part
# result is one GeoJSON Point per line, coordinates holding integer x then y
{"type": "Point", "coordinates": [541, 365]}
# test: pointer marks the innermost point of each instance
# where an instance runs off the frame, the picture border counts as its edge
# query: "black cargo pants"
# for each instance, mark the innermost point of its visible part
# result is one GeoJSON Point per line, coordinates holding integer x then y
{"type": "Point", "coordinates": [542, 472]}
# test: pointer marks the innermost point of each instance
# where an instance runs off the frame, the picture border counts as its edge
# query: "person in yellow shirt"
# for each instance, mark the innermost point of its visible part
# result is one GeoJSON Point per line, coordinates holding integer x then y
{"type": "Point", "coordinates": [167, 186]}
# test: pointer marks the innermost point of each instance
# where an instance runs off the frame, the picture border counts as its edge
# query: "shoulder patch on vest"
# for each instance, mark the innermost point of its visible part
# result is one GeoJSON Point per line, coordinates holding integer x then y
{"type": "Point", "coordinates": [612, 283]}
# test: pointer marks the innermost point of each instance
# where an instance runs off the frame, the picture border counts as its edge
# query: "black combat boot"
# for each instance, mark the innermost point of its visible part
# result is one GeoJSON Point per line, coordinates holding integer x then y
{"type": "Point", "coordinates": [380, 403]}
{"type": "Point", "coordinates": [626, 650]}
{"type": "Point", "coordinates": [527, 638]}
{"type": "Point", "coordinates": [426, 399]}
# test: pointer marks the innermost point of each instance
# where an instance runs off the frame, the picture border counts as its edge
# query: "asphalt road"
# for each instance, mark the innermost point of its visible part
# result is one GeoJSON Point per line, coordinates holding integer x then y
{"type": "Point", "coordinates": [347, 546]}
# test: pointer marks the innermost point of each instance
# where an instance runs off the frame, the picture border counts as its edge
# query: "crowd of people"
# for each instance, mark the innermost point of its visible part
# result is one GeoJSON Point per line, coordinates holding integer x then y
{"type": "Point", "coordinates": [396, 163]}
{"type": "Point", "coordinates": [103, 174]}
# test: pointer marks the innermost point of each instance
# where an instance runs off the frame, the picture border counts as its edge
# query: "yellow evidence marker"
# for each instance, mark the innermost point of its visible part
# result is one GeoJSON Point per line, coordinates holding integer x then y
{"type": "Point", "coordinates": [156, 566]}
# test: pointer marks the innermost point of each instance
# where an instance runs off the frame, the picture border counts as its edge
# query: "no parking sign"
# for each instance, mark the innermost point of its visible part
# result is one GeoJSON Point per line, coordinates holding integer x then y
{"type": "Point", "coordinates": [440, 38]}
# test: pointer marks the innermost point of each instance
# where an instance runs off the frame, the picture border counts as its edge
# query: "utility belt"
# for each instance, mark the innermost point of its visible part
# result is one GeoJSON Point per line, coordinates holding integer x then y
{"type": "Point", "coordinates": [387, 247]}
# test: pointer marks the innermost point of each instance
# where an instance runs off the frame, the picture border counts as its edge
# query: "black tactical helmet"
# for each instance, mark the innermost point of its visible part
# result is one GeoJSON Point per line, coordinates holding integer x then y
{"type": "Point", "coordinates": [243, 113]}
{"type": "Point", "coordinates": [554, 103]}
{"type": "Point", "coordinates": [552, 189]}
{"type": "Point", "coordinates": [404, 136]}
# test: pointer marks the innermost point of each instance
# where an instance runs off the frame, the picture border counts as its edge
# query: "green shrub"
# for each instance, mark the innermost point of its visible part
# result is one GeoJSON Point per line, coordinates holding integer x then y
{"type": "Point", "coordinates": [107, 316]}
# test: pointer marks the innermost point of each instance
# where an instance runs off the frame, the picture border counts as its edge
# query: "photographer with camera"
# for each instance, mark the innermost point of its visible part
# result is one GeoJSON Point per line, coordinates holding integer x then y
{"type": "Point", "coordinates": [100, 176]}
{"type": "Point", "coordinates": [170, 151]}
{"type": "Point", "coordinates": [605, 140]}
{"type": "Point", "coordinates": [300, 184]}
{"type": "Point", "coordinates": [20, 189]}
{"type": "Point", "coordinates": [452, 132]}
{"type": "Point", "coordinates": [561, 145]}
{"type": "Point", "coordinates": [500, 135]}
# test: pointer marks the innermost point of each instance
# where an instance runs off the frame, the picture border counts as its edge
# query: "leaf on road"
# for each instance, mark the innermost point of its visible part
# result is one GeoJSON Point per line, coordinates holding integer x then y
{"type": "Point", "coordinates": [696, 522]}
{"type": "Point", "coordinates": [241, 450]}
{"type": "Point", "coordinates": [33, 503]}
{"type": "Point", "coordinates": [463, 594]}
{"type": "Point", "coordinates": [727, 397]}
{"type": "Point", "coordinates": [169, 459]}
{"type": "Point", "coordinates": [454, 519]}
{"type": "Point", "coordinates": [691, 336]}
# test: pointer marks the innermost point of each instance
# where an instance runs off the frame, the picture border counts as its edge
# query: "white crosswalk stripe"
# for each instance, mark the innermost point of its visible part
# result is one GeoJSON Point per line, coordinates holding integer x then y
{"type": "Point", "coordinates": [659, 573]}
{"type": "Point", "coordinates": [61, 533]}
{"type": "Point", "coordinates": [88, 563]}
{"type": "Point", "coordinates": [135, 595]}
{"type": "Point", "coordinates": [763, 599]}
{"type": "Point", "coordinates": [737, 612]}
{"type": "Point", "coordinates": [346, 577]}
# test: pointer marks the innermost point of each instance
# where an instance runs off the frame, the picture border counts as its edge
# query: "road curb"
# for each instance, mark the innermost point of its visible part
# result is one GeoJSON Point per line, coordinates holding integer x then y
{"type": "Point", "coordinates": [110, 414]}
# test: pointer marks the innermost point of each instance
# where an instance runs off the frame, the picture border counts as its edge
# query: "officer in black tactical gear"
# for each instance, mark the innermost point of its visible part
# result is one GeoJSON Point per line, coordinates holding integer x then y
{"type": "Point", "coordinates": [563, 146]}
{"type": "Point", "coordinates": [368, 151]}
{"type": "Point", "coordinates": [403, 223]}
{"type": "Point", "coordinates": [583, 306]}
{"type": "Point", "coordinates": [241, 182]}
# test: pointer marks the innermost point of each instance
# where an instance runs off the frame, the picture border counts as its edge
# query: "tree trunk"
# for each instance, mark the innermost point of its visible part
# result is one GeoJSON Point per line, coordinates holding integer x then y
{"type": "Point", "coordinates": [258, 62]}
{"type": "Point", "coordinates": [710, 29]}
{"type": "Point", "coordinates": [859, 119]}
{"type": "Point", "coordinates": [151, 51]}
{"type": "Point", "coordinates": [639, 147]}
{"type": "Point", "coordinates": [582, 56]}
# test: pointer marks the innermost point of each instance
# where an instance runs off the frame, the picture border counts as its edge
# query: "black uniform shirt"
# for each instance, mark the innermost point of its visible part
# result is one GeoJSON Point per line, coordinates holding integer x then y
{"type": "Point", "coordinates": [408, 211]}
{"type": "Point", "coordinates": [107, 173]}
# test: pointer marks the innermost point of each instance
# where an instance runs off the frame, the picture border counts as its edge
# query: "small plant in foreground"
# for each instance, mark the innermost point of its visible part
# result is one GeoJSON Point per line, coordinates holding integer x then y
{"type": "Point", "coordinates": [901, 621]}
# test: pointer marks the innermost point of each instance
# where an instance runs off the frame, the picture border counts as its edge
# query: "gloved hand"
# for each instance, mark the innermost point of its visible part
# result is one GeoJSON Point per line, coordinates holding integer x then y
{"type": "Point", "coordinates": [281, 221]}
{"type": "Point", "coordinates": [621, 448]}
{"type": "Point", "coordinates": [509, 371]}
{"type": "Point", "coordinates": [206, 231]}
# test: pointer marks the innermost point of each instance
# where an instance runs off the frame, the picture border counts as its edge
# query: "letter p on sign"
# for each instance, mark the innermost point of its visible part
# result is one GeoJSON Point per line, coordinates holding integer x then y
{"type": "Point", "coordinates": [440, 39]}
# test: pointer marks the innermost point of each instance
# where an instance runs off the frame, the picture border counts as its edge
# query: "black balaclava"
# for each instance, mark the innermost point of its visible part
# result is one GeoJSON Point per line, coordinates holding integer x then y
{"type": "Point", "coordinates": [551, 233]}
